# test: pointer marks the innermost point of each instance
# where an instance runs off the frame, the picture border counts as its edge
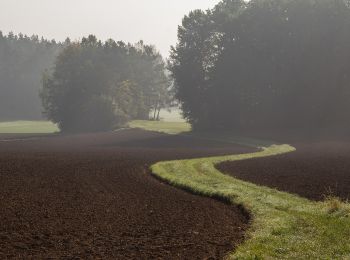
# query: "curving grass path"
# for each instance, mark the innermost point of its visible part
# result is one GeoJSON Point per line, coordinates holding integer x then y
{"type": "Point", "coordinates": [284, 226]}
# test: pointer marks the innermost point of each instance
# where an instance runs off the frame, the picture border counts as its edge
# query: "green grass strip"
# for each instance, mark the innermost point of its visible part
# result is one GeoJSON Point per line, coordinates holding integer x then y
{"type": "Point", "coordinates": [161, 126]}
{"type": "Point", "coordinates": [28, 127]}
{"type": "Point", "coordinates": [284, 226]}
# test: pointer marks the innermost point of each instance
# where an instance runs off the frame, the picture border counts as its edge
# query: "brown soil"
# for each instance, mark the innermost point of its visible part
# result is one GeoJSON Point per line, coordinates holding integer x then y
{"type": "Point", "coordinates": [92, 196]}
{"type": "Point", "coordinates": [317, 169]}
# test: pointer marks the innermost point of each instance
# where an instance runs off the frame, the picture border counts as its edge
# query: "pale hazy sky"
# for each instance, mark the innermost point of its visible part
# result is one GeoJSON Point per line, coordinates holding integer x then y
{"type": "Point", "coordinates": [154, 21]}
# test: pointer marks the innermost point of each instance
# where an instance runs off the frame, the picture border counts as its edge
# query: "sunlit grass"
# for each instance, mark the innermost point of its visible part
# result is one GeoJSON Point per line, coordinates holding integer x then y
{"type": "Point", "coordinates": [161, 126]}
{"type": "Point", "coordinates": [46, 127]}
{"type": "Point", "coordinates": [28, 127]}
{"type": "Point", "coordinates": [174, 115]}
{"type": "Point", "coordinates": [284, 226]}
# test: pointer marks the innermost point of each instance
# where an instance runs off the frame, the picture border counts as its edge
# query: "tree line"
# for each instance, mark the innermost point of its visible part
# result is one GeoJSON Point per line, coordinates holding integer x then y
{"type": "Point", "coordinates": [265, 64]}
{"type": "Point", "coordinates": [95, 85]}
{"type": "Point", "coordinates": [22, 60]}
{"type": "Point", "coordinates": [85, 85]}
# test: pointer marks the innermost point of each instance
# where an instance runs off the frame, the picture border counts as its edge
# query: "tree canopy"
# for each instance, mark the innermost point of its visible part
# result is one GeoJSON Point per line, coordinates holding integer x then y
{"type": "Point", "coordinates": [265, 64]}
{"type": "Point", "coordinates": [97, 86]}
{"type": "Point", "coordinates": [22, 61]}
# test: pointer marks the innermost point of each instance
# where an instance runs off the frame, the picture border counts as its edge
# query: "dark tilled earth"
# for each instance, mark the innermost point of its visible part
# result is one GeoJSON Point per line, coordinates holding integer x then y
{"type": "Point", "coordinates": [92, 196]}
{"type": "Point", "coordinates": [317, 169]}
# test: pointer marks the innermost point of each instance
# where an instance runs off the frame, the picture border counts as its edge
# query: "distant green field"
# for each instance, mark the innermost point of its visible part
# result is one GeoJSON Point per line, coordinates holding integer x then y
{"type": "Point", "coordinates": [28, 127]}
{"type": "Point", "coordinates": [174, 115]}
{"type": "Point", "coordinates": [161, 126]}
{"type": "Point", "coordinates": [171, 121]}
{"type": "Point", "coordinates": [46, 127]}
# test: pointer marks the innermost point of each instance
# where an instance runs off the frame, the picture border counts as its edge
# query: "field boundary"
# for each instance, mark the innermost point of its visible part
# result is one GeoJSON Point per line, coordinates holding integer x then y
{"type": "Point", "coordinates": [284, 226]}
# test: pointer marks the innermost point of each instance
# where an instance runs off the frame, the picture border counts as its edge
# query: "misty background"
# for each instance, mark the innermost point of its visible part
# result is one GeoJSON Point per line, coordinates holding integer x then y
{"type": "Point", "coordinates": [238, 65]}
{"type": "Point", "coordinates": [153, 21]}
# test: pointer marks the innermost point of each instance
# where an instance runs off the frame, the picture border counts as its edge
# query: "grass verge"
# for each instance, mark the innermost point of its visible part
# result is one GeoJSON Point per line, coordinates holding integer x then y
{"type": "Point", "coordinates": [284, 226]}
{"type": "Point", "coordinates": [28, 127]}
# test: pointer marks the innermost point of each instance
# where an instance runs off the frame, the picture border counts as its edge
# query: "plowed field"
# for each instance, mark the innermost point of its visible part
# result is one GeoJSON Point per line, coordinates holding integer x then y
{"type": "Point", "coordinates": [315, 170]}
{"type": "Point", "coordinates": [92, 196]}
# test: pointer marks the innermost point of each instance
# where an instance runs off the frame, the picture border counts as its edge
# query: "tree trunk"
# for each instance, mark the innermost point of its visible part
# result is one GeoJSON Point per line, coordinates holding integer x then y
{"type": "Point", "coordinates": [155, 111]}
{"type": "Point", "coordinates": [158, 114]}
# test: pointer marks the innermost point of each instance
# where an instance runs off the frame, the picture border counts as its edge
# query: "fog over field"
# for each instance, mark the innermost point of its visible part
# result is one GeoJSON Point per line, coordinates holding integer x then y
{"type": "Point", "coordinates": [154, 21]}
{"type": "Point", "coordinates": [164, 129]}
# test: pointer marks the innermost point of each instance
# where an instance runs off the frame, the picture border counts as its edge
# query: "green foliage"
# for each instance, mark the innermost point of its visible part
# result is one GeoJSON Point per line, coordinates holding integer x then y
{"type": "Point", "coordinates": [97, 86]}
{"type": "Point", "coordinates": [265, 64]}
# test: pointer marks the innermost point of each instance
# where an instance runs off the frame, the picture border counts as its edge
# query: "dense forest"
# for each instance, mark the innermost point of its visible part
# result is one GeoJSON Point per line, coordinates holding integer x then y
{"type": "Point", "coordinates": [22, 61]}
{"type": "Point", "coordinates": [96, 86]}
{"type": "Point", "coordinates": [265, 64]}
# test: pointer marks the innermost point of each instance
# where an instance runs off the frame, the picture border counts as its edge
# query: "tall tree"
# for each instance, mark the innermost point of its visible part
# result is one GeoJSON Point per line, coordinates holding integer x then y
{"type": "Point", "coordinates": [266, 64]}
